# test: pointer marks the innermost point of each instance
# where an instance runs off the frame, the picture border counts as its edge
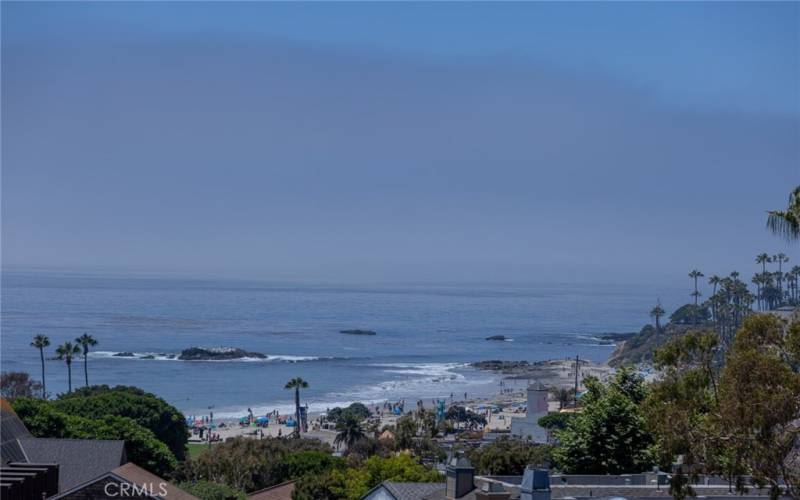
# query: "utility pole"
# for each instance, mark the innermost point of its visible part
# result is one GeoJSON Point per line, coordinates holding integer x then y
{"type": "Point", "coordinates": [577, 360]}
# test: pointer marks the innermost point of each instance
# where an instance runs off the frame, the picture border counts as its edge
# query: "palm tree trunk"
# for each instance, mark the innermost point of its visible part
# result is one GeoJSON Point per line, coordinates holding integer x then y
{"type": "Point", "coordinates": [86, 368]}
{"type": "Point", "coordinates": [69, 377]}
{"type": "Point", "coordinates": [44, 386]}
{"type": "Point", "coordinates": [297, 411]}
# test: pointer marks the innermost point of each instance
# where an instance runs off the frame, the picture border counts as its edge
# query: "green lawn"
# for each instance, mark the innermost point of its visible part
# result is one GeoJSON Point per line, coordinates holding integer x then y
{"type": "Point", "coordinates": [195, 449]}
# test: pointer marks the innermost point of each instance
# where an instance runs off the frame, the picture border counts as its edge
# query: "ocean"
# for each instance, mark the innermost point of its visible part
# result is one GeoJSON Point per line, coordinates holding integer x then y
{"type": "Point", "coordinates": [426, 335]}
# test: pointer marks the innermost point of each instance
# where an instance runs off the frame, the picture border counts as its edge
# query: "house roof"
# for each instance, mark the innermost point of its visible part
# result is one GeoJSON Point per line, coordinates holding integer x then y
{"type": "Point", "coordinates": [79, 460]}
{"type": "Point", "coordinates": [408, 491]}
{"type": "Point", "coordinates": [135, 474]}
{"type": "Point", "coordinates": [150, 485]}
{"type": "Point", "coordinates": [11, 430]}
{"type": "Point", "coordinates": [281, 491]}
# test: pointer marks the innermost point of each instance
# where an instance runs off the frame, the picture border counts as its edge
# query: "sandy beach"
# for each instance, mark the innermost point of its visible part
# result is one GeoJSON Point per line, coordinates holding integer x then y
{"type": "Point", "coordinates": [499, 409]}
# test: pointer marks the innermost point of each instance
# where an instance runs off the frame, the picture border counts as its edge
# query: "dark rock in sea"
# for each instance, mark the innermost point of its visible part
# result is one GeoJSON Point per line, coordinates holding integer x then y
{"type": "Point", "coordinates": [358, 332]}
{"type": "Point", "coordinates": [124, 355]}
{"type": "Point", "coordinates": [497, 337]}
{"type": "Point", "coordinates": [149, 356]}
{"type": "Point", "coordinates": [170, 356]}
{"type": "Point", "coordinates": [497, 365]}
{"type": "Point", "coordinates": [217, 354]}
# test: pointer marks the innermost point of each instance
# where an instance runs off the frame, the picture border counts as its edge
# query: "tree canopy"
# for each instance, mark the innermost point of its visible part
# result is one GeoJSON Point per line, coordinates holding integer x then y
{"type": "Point", "coordinates": [44, 419]}
{"type": "Point", "coordinates": [148, 410]}
{"type": "Point", "coordinates": [508, 457]}
{"type": "Point", "coordinates": [609, 436]}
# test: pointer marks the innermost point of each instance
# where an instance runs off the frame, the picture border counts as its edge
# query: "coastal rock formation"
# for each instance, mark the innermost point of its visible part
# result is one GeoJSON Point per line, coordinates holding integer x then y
{"type": "Point", "coordinates": [496, 365]}
{"type": "Point", "coordinates": [498, 337]}
{"type": "Point", "coordinates": [124, 355]}
{"type": "Point", "coordinates": [217, 354]}
{"type": "Point", "coordinates": [358, 332]}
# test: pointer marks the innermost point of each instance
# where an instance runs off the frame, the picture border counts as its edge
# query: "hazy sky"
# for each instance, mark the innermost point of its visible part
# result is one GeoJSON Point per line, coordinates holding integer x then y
{"type": "Point", "coordinates": [398, 142]}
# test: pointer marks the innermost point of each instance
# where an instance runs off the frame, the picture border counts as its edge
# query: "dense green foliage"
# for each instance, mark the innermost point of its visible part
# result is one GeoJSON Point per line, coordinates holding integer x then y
{"type": "Point", "coordinates": [609, 435]}
{"type": "Point", "coordinates": [206, 490]}
{"type": "Point", "coordinates": [353, 482]}
{"type": "Point", "coordinates": [508, 457]}
{"type": "Point", "coordinates": [148, 410]}
{"type": "Point", "coordinates": [690, 314]}
{"type": "Point", "coordinates": [250, 464]}
{"type": "Point", "coordinates": [301, 463]}
{"type": "Point", "coordinates": [740, 420]}
{"type": "Point", "coordinates": [355, 410]}
{"type": "Point", "coordinates": [555, 421]}
{"type": "Point", "coordinates": [44, 419]}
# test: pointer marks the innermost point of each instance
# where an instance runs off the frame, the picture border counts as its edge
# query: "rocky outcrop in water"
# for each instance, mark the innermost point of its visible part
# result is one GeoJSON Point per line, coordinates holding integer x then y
{"type": "Point", "coordinates": [217, 354]}
{"type": "Point", "coordinates": [500, 366]}
{"type": "Point", "coordinates": [124, 355]}
{"type": "Point", "coordinates": [498, 337]}
{"type": "Point", "coordinates": [358, 332]}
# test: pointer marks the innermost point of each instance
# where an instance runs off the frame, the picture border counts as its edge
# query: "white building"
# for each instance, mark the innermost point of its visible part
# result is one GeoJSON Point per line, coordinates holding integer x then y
{"type": "Point", "coordinates": [528, 427]}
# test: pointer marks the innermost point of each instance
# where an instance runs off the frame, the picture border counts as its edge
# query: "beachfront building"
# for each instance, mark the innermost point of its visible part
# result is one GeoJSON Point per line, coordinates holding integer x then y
{"type": "Point", "coordinates": [528, 427]}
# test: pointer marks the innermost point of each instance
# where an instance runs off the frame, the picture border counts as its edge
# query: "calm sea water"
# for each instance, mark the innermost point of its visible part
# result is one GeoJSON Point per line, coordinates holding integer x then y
{"type": "Point", "coordinates": [426, 335]}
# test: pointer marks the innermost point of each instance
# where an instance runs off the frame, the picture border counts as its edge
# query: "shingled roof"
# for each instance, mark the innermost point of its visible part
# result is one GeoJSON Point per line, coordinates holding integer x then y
{"type": "Point", "coordinates": [79, 460]}
{"type": "Point", "coordinates": [408, 491]}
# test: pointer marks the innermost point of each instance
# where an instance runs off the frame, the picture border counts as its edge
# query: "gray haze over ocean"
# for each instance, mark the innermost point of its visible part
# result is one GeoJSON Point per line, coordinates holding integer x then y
{"type": "Point", "coordinates": [426, 334]}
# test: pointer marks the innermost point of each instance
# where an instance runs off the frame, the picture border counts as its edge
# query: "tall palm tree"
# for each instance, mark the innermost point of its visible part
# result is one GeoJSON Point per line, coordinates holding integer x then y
{"type": "Point", "coordinates": [66, 352]}
{"type": "Point", "coordinates": [349, 431]}
{"type": "Point", "coordinates": [656, 313]}
{"type": "Point", "coordinates": [296, 383]}
{"type": "Point", "coordinates": [85, 341]}
{"type": "Point", "coordinates": [714, 281]}
{"type": "Point", "coordinates": [40, 342]}
{"type": "Point", "coordinates": [786, 222]}
{"type": "Point", "coordinates": [696, 294]}
{"type": "Point", "coordinates": [780, 259]}
{"type": "Point", "coordinates": [694, 275]}
{"type": "Point", "coordinates": [763, 259]}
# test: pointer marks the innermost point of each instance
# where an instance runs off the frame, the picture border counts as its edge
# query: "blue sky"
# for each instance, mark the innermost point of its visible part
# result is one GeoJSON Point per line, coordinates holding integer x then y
{"type": "Point", "coordinates": [398, 142]}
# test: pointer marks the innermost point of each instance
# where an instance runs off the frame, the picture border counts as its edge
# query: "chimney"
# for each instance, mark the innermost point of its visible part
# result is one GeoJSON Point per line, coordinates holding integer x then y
{"type": "Point", "coordinates": [535, 484]}
{"type": "Point", "coordinates": [460, 477]}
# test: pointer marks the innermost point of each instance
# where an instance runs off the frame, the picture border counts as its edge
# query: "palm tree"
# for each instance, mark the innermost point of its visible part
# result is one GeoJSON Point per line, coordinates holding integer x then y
{"type": "Point", "coordinates": [40, 342]}
{"type": "Point", "coordinates": [296, 383]}
{"type": "Point", "coordinates": [780, 259]}
{"type": "Point", "coordinates": [786, 223]}
{"type": "Point", "coordinates": [656, 313]}
{"type": "Point", "coordinates": [694, 275]}
{"type": "Point", "coordinates": [66, 352]}
{"type": "Point", "coordinates": [795, 273]}
{"type": "Point", "coordinates": [763, 259]}
{"type": "Point", "coordinates": [349, 431]}
{"type": "Point", "coordinates": [85, 341]}
{"type": "Point", "coordinates": [714, 281]}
